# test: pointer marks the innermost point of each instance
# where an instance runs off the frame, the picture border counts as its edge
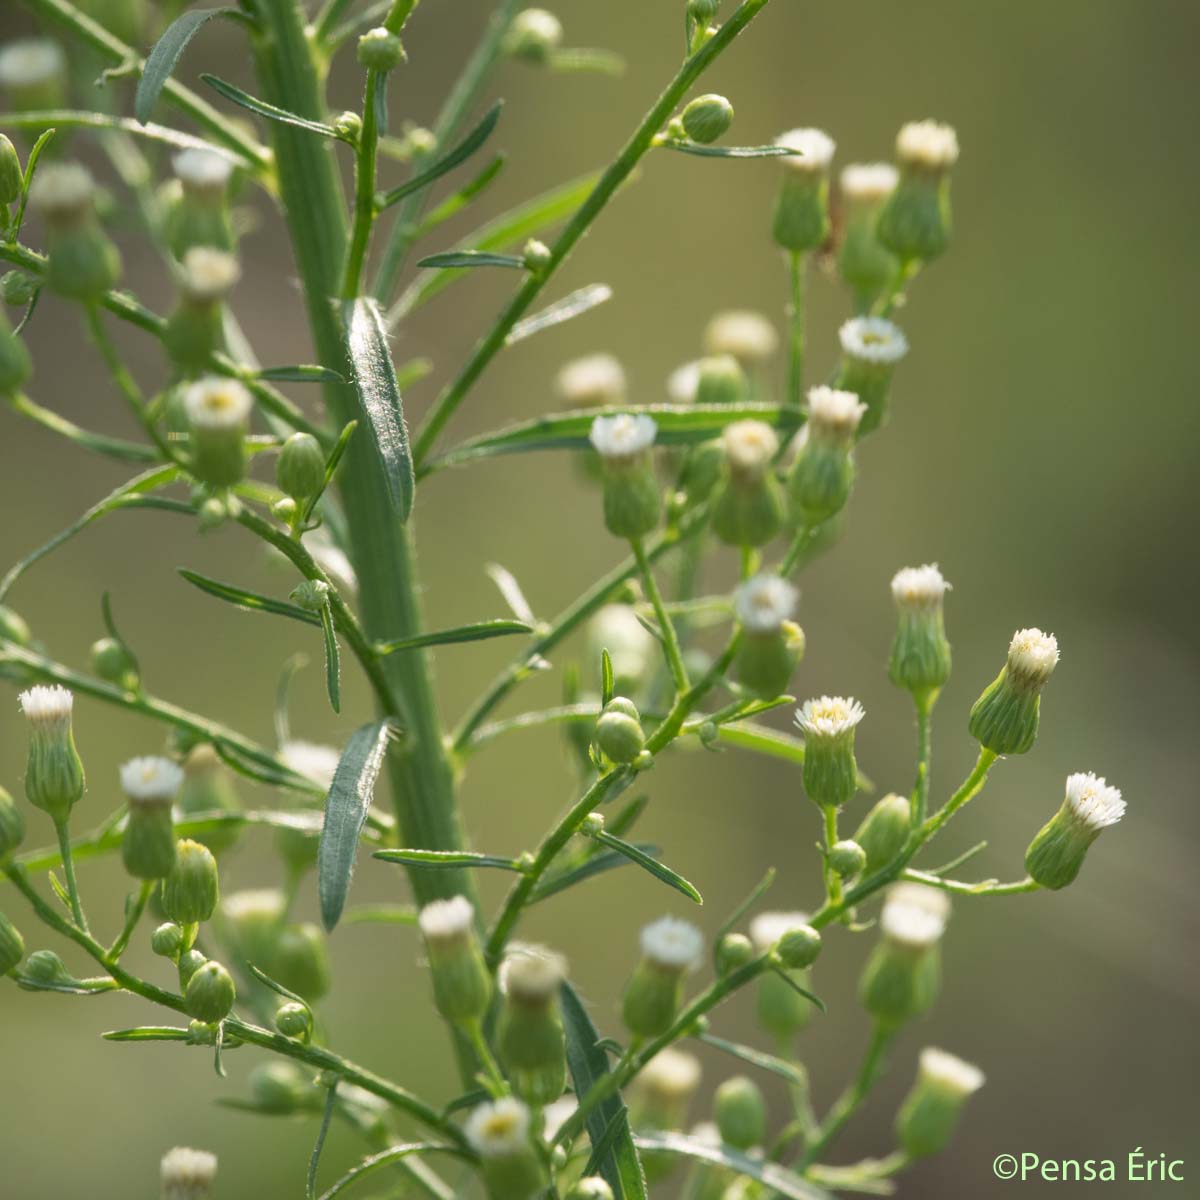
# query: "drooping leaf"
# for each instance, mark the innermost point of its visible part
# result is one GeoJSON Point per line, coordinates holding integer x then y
{"type": "Point", "coordinates": [301, 373]}
{"type": "Point", "coordinates": [597, 864]}
{"type": "Point", "coordinates": [165, 55]}
{"type": "Point", "coordinates": [375, 379]}
{"type": "Point", "coordinates": [447, 859]}
{"type": "Point", "coordinates": [510, 589]}
{"type": "Point", "coordinates": [728, 151]}
{"type": "Point", "coordinates": [460, 259]}
{"type": "Point", "coordinates": [476, 632]}
{"type": "Point", "coordinates": [346, 809]}
{"type": "Point", "coordinates": [245, 599]}
{"type": "Point", "coordinates": [786, 976]}
{"type": "Point", "coordinates": [274, 985]}
{"type": "Point", "coordinates": [272, 113]}
{"type": "Point", "coordinates": [574, 305]}
{"type": "Point", "coordinates": [647, 863]}
{"type": "Point", "coordinates": [757, 1058]}
{"type": "Point", "coordinates": [606, 678]}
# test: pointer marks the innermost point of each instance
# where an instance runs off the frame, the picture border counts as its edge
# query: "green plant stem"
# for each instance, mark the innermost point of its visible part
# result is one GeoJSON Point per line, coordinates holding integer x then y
{"type": "Point", "coordinates": [136, 909]}
{"type": "Point", "coordinates": [988, 887]}
{"type": "Point", "coordinates": [68, 865]}
{"type": "Point", "coordinates": [670, 639]}
{"type": "Point", "coordinates": [886, 302]}
{"type": "Point", "coordinates": [497, 1084]}
{"type": "Point", "coordinates": [797, 271]}
{"type": "Point", "coordinates": [833, 882]}
{"type": "Point", "coordinates": [364, 186]}
{"type": "Point", "coordinates": [802, 539]}
{"type": "Point", "coordinates": [969, 789]}
{"type": "Point", "coordinates": [328, 19]}
{"type": "Point", "coordinates": [112, 447]}
{"type": "Point", "coordinates": [920, 796]}
{"type": "Point", "coordinates": [616, 174]}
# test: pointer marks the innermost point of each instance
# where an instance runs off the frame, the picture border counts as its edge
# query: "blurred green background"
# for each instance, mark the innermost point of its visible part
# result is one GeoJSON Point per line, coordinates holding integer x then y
{"type": "Point", "coordinates": [1041, 450]}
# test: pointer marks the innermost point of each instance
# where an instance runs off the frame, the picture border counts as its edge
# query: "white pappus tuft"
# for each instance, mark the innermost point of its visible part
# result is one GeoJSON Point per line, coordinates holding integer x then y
{"type": "Point", "coordinates": [150, 779]}
{"type": "Point", "coordinates": [928, 144]}
{"type": "Point", "coordinates": [208, 273]}
{"type": "Point", "coordinates": [204, 170]}
{"type": "Point", "coordinates": [868, 181]}
{"type": "Point", "coordinates": [532, 972]}
{"type": "Point", "coordinates": [829, 716]}
{"type": "Point", "coordinates": [595, 379]}
{"type": "Point", "coordinates": [949, 1073]}
{"type": "Point", "coordinates": [187, 1174]}
{"type": "Point", "coordinates": [62, 189]}
{"type": "Point", "coordinates": [873, 340]}
{"type": "Point", "coordinates": [622, 436]}
{"type": "Point", "coordinates": [750, 446]}
{"type": "Point", "coordinates": [1092, 802]}
{"type": "Point", "coordinates": [919, 587]}
{"type": "Point", "coordinates": [914, 915]}
{"type": "Point", "coordinates": [833, 411]}
{"type": "Point", "coordinates": [499, 1129]}
{"type": "Point", "coordinates": [672, 943]}
{"type": "Point", "coordinates": [446, 920]}
{"type": "Point", "coordinates": [763, 603]}
{"type": "Point", "coordinates": [814, 149]}
{"type": "Point", "coordinates": [47, 705]}
{"type": "Point", "coordinates": [1032, 655]}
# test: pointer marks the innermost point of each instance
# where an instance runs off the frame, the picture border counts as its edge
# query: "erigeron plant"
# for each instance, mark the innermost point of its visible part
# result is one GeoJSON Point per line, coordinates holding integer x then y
{"type": "Point", "coordinates": [549, 1107]}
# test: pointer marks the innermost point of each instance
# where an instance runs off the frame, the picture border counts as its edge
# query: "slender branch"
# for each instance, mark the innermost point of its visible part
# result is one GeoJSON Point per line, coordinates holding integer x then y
{"type": "Point", "coordinates": [797, 269]}
{"type": "Point", "coordinates": [68, 865]}
{"type": "Point", "coordinates": [136, 908]}
{"type": "Point", "coordinates": [670, 639]}
{"type": "Point", "coordinates": [987, 887]}
{"type": "Point", "coordinates": [920, 796]}
{"type": "Point", "coordinates": [364, 185]}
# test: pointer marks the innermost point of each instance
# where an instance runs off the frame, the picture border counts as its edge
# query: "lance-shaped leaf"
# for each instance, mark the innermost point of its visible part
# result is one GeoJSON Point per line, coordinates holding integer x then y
{"type": "Point", "coordinates": [643, 860]}
{"type": "Point", "coordinates": [608, 1123]}
{"type": "Point", "coordinates": [167, 51]}
{"type": "Point", "coordinates": [573, 305]}
{"type": "Point", "coordinates": [375, 379]}
{"type": "Point", "coordinates": [477, 632]}
{"type": "Point", "coordinates": [346, 809]}
{"type": "Point", "coordinates": [70, 118]}
{"type": "Point", "coordinates": [250, 601]}
{"type": "Point", "coordinates": [757, 1058]}
{"type": "Point", "coordinates": [472, 258]}
{"type": "Point", "coordinates": [270, 111]}
{"type": "Point", "coordinates": [447, 859]}
{"type": "Point", "coordinates": [728, 151]}
{"type": "Point", "coordinates": [597, 864]}
{"type": "Point", "coordinates": [301, 373]}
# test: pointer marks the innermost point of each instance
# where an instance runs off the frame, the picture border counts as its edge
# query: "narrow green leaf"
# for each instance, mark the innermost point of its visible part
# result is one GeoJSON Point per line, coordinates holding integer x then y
{"type": "Point", "coordinates": [99, 443]}
{"type": "Point", "coordinates": [163, 59]}
{"type": "Point", "coordinates": [262, 109]}
{"type": "Point", "coordinates": [148, 1033]}
{"type": "Point", "coordinates": [385, 1158]}
{"type": "Point", "coordinates": [647, 863]}
{"type": "Point", "coordinates": [574, 305]}
{"type": "Point", "coordinates": [606, 678]}
{"type": "Point", "coordinates": [331, 465]}
{"type": "Point", "coordinates": [508, 587]}
{"type": "Point", "coordinates": [381, 914]}
{"type": "Point", "coordinates": [375, 379]}
{"type": "Point", "coordinates": [31, 166]}
{"type": "Point", "coordinates": [346, 809]}
{"type": "Point", "coordinates": [774, 1177]}
{"type": "Point", "coordinates": [756, 894]}
{"type": "Point", "coordinates": [472, 258]}
{"type": "Point", "coordinates": [728, 151]}
{"type": "Point", "coordinates": [68, 118]}
{"type": "Point", "coordinates": [301, 373]}
{"type": "Point", "coordinates": [587, 1061]}
{"type": "Point", "coordinates": [756, 1058]}
{"type": "Point", "coordinates": [333, 662]}
{"type": "Point", "coordinates": [412, 372]}
{"type": "Point", "coordinates": [250, 601]}
{"type": "Point", "coordinates": [786, 976]}
{"type": "Point", "coordinates": [447, 859]}
{"type": "Point", "coordinates": [597, 864]}
{"type": "Point", "coordinates": [326, 1119]}
{"type": "Point", "coordinates": [477, 632]}
{"type": "Point", "coordinates": [276, 987]}
{"type": "Point", "coordinates": [460, 153]}
{"type": "Point", "coordinates": [585, 58]}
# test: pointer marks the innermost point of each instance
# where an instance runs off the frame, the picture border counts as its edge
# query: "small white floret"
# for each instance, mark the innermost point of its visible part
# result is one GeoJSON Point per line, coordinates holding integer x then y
{"type": "Point", "coordinates": [914, 915]}
{"type": "Point", "coordinates": [47, 706]}
{"type": "Point", "coordinates": [62, 189]}
{"type": "Point", "coordinates": [949, 1073]}
{"type": "Point", "coordinates": [205, 170]}
{"type": "Point", "coordinates": [318, 763]}
{"type": "Point", "coordinates": [217, 403]}
{"type": "Point", "coordinates": [593, 380]}
{"type": "Point", "coordinates": [672, 943]}
{"type": "Point", "coordinates": [873, 340]}
{"type": "Point", "coordinates": [833, 411]}
{"type": "Point", "coordinates": [868, 181]}
{"type": "Point", "coordinates": [763, 603]}
{"type": "Point", "coordinates": [750, 446]}
{"type": "Point", "coordinates": [446, 920]}
{"type": "Point", "coordinates": [30, 62]}
{"type": "Point", "coordinates": [1033, 655]}
{"type": "Point", "coordinates": [532, 972]}
{"type": "Point", "coordinates": [208, 273]}
{"type": "Point", "coordinates": [499, 1129]}
{"type": "Point", "coordinates": [927, 144]}
{"type": "Point", "coordinates": [671, 1073]}
{"type": "Point", "coordinates": [919, 587]}
{"type": "Point", "coordinates": [684, 382]}
{"type": "Point", "coordinates": [748, 336]}
{"type": "Point", "coordinates": [187, 1174]}
{"type": "Point", "coordinates": [814, 149]}
{"type": "Point", "coordinates": [622, 436]}
{"type": "Point", "coordinates": [1092, 802]}
{"type": "Point", "coordinates": [768, 927]}
{"type": "Point", "coordinates": [829, 716]}
{"type": "Point", "coordinates": [151, 779]}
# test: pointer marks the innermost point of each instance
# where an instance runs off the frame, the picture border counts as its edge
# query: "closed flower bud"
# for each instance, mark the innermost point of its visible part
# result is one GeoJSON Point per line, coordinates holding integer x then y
{"type": "Point", "coordinates": [799, 947]}
{"type": "Point", "coordinates": [1056, 854]}
{"type": "Point", "coordinates": [903, 974]}
{"type": "Point", "coordinates": [18, 288]}
{"type": "Point", "coordinates": [846, 858]}
{"type": "Point", "coordinates": [782, 1012]}
{"type": "Point", "coordinates": [802, 209]}
{"type": "Point", "coordinates": [1005, 718]}
{"type": "Point", "coordinates": [536, 256]}
{"type": "Point", "coordinates": [871, 348]}
{"type": "Point", "coordinates": [167, 940]}
{"type": "Point", "coordinates": [499, 1132]}
{"type": "Point", "coordinates": [865, 263]}
{"type": "Point", "coordinates": [830, 773]}
{"type": "Point", "coordinates": [83, 264]}
{"type": "Point", "coordinates": [462, 987]}
{"type": "Point", "coordinates": [12, 826]}
{"type": "Point", "coordinates": [195, 330]}
{"type": "Point", "coordinates": [619, 731]}
{"type": "Point", "coordinates": [750, 507]}
{"type": "Point", "coordinates": [282, 1088]}
{"type": "Point", "coordinates": [632, 504]}
{"type": "Point", "coordinates": [14, 628]}
{"type": "Point", "coordinates": [594, 381]}
{"type": "Point", "coordinates": [920, 659]}
{"type": "Point", "coordinates": [113, 663]}
{"type": "Point", "coordinates": [148, 843]}
{"type": "Point", "coordinates": [591, 1187]}
{"type": "Point", "coordinates": [300, 471]}
{"type": "Point", "coordinates": [200, 214]}
{"type": "Point", "coordinates": [33, 74]}
{"type": "Point", "coordinates": [670, 949]}
{"type": "Point", "coordinates": [529, 1032]}
{"type": "Point", "coordinates": [12, 945]}
{"type": "Point", "coordinates": [45, 967]}
{"type": "Point", "coordinates": [658, 1098]}
{"type": "Point", "coordinates": [707, 118]}
{"type": "Point", "coordinates": [380, 50]}
{"type": "Point", "coordinates": [301, 962]}
{"type": "Point", "coordinates": [187, 1174]}
{"type": "Point", "coordinates": [312, 595]}
{"type": "Point", "coordinates": [208, 788]}
{"type": "Point", "coordinates": [822, 475]}
{"type": "Point", "coordinates": [930, 1112]}
{"type": "Point", "coordinates": [218, 419]}
{"type": "Point", "coordinates": [294, 1020]}
{"type": "Point", "coordinates": [771, 643]}
{"type": "Point", "coordinates": [15, 364]}
{"type": "Point", "coordinates": [534, 35]}
{"type": "Point", "coordinates": [190, 961]}
{"type": "Point", "coordinates": [54, 779]}
{"type": "Point", "coordinates": [251, 924]}
{"type": "Point", "coordinates": [745, 335]}
{"type": "Point", "coordinates": [733, 950]}
{"type": "Point", "coordinates": [740, 1111]}
{"type": "Point", "coordinates": [915, 221]}
{"type": "Point", "coordinates": [884, 831]}
{"type": "Point", "coordinates": [189, 892]}
{"type": "Point", "coordinates": [720, 379]}
{"type": "Point", "coordinates": [210, 993]}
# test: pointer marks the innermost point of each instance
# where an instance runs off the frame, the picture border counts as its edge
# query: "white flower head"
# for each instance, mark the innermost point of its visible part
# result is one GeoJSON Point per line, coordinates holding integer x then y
{"type": "Point", "coordinates": [623, 436]}
{"type": "Point", "coordinates": [829, 716]}
{"type": "Point", "coordinates": [914, 915]}
{"type": "Point", "coordinates": [208, 273]}
{"type": "Point", "coordinates": [750, 447]}
{"type": "Point", "coordinates": [596, 379]}
{"type": "Point", "coordinates": [315, 762]}
{"type": "Point", "coordinates": [63, 190]}
{"type": "Point", "coordinates": [151, 780]}
{"type": "Point", "coordinates": [202, 170]}
{"type": "Point", "coordinates": [748, 336]}
{"type": "Point", "coordinates": [446, 920]}
{"type": "Point", "coordinates": [538, 24]}
{"type": "Point", "coordinates": [873, 340]}
{"type": "Point", "coordinates": [768, 927]}
{"type": "Point", "coordinates": [672, 943]}
{"type": "Point", "coordinates": [499, 1129]}
{"type": "Point", "coordinates": [217, 403]}
{"type": "Point", "coordinates": [187, 1174]}
{"type": "Point", "coordinates": [814, 150]}
{"type": "Point", "coordinates": [868, 182]}
{"type": "Point", "coordinates": [1092, 802]}
{"type": "Point", "coordinates": [948, 1073]}
{"type": "Point", "coordinates": [684, 382]}
{"type": "Point", "coordinates": [253, 905]}
{"type": "Point", "coordinates": [532, 972]}
{"type": "Point", "coordinates": [927, 144]}
{"type": "Point", "coordinates": [1032, 656]}
{"type": "Point", "coordinates": [47, 706]}
{"type": "Point", "coordinates": [763, 603]}
{"type": "Point", "coordinates": [919, 587]}
{"type": "Point", "coordinates": [831, 411]}
{"type": "Point", "coordinates": [30, 62]}
{"type": "Point", "coordinates": [671, 1073]}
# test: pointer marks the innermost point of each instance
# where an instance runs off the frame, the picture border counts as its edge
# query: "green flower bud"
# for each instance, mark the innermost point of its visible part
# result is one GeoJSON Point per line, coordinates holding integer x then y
{"type": "Point", "coordinates": [210, 993]}
{"type": "Point", "coordinates": [903, 974]}
{"type": "Point", "coordinates": [83, 264]}
{"type": "Point", "coordinates": [33, 74]}
{"type": "Point", "coordinates": [799, 947]}
{"type": "Point", "coordinates": [915, 221]}
{"type": "Point", "coordinates": [167, 940]}
{"type": "Point", "coordinates": [884, 831]}
{"type": "Point", "coordinates": [1056, 854]}
{"type": "Point", "coordinates": [282, 1088]}
{"type": "Point", "coordinates": [865, 263]}
{"type": "Point", "coordinates": [822, 475]}
{"type": "Point", "coordinates": [187, 1174]}
{"type": "Point", "coordinates": [300, 471]}
{"type": "Point", "coordinates": [782, 1012]}
{"type": "Point", "coordinates": [251, 924]}
{"type": "Point", "coordinates": [930, 1112]}
{"type": "Point", "coordinates": [348, 126]}
{"type": "Point", "coordinates": [301, 962]}
{"type": "Point", "coordinates": [190, 961]}
{"type": "Point", "coordinates": [720, 379]}
{"type": "Point", "coordinates": [14, 628]}
{"type": "Point", "coordinates": [462, 986]}
{"type": "Point", "coordinates": [199, 216]}
{"type": "Point", "coordinates": [529, 1031]}
{"type": "Point", "coordinates": [871, 348]}
{"type": "Point", "coordinates": [18, 288]}
{"type": "Point", "coordinates": [802, 209]}
{"type": "Point", "coordinates": [112, 661]}
{"type": "Point", "coordinates": [15, 364]}
{"type": "Point", "coordinates": [294, 1020]}
{"type": "Point", "coordinates": [749, 507]}
{"type": "Point", "coordinates": [148, 843]}
{"type": "Point", "coordinates": [12, 826]}
{"type": "Point", "coordinates": [196, 329]}
{"type": "Point", "coordinates": [208, 788]}
{"type": "Point", "coordinates": [670, 949]}
{"type": "Point", "coordinates": [740, 1111]}
{"type": "Point", "coordinates": [380, 50]}
{"type": "Point", "coordinates": [619, 731]}
{"type": "Point", "coordinates": [189, 892]}
{"type": "Point", "coordinates": [1005, 718]}
{"type": "Point", "coordinates": [12, 945]}
{"type": "Point", "coordinates": [707, 118]}
{"type": "Point", "coordinates": [771, 643]}
{"type": "Point", "coordinates": [218, 416]}
{"type": "Point", "coordinates": [632, 503]}
{"type": "Point", "coordinates": [846, 858]}
{"type": "Point", "coordinates": [830, 772]}
{"type": "Point", "coordinates": [499, 1132]}
{"type": "Point", "coordinates": [54, 779]}
{"type": "Point", "coordinates": [920, 660]}
{"type": "Point", "coordinates": [45, 967]}
{"type": "Point", "coordinates": [658, 1101]}
{"type": "Point", "coordinates": [534, 35]}
{"type": "Point", "coordinates": [591, 1187]}
{"type": "Point", "coordinates": [214, 511]}
{"type": "Point", "coordinates": [733, 950]}
{"type": "Point", "coordinates": [536, 256]}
